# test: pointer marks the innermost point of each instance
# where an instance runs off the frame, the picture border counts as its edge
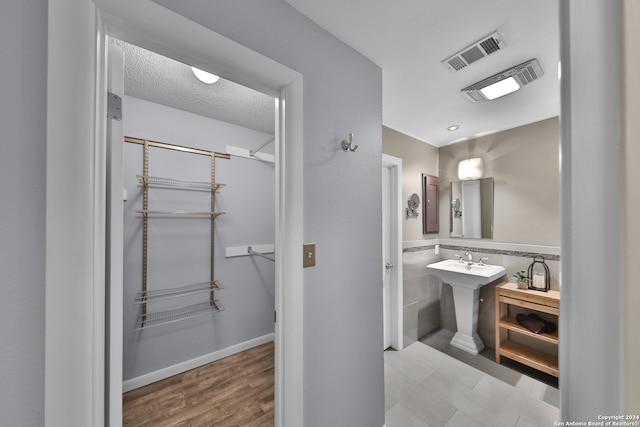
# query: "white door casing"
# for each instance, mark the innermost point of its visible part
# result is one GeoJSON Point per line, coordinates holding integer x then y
{"type": "Point", "coordinates": [76, 339]}
{"type": "Point", "coordinates": [392, 248]}
{"type": "Point", "coordinates": [386, 256]}
{"type": "Point", "coordinates": [115, 233]}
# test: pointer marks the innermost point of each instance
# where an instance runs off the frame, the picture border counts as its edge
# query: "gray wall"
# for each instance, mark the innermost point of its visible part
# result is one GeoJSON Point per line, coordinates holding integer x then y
{"type": "Point", "coordinates": [421, 294]}
{"type": "Point", "coordinates": [179, 247]}
{"type": "Point", "coordinates": [343, 364]}
{"type": "Point", "coordinates": [630, 200]}
{"type": "Point", "coordinates": [23, 49]}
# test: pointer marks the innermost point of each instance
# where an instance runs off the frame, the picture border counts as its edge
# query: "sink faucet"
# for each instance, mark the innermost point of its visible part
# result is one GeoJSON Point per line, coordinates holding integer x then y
{"type": "Point", "coordinates": [469, 260]}
{"type": "Point", "coordinates": [469, 256]}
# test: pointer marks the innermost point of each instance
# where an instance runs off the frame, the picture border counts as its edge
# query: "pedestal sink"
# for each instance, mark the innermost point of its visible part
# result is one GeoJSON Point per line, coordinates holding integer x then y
{"type": "Point", "coordinates": [466, 279]}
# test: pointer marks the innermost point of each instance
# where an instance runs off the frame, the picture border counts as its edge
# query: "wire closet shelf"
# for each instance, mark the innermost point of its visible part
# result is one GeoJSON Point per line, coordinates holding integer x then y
{"type": "Point", "coordinates": [146, 296]}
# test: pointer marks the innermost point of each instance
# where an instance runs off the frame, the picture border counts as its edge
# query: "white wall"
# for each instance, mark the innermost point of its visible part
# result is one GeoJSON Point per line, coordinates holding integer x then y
{"type": "Point", "coordinates": [343, 364]}
{"type": "Point", "coordinates": [179, 247]}
{"type": "Point", "coordinates": [23, 48]}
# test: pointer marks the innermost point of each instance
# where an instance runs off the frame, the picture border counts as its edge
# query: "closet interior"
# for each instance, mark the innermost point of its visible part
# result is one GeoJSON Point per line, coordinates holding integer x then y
{"type": "Point", "coordinates": [199, 227]}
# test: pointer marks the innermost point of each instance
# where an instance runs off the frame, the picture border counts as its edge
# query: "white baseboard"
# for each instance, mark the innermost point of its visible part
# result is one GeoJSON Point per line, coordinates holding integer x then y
{"type": "Point", "coordinates": [181, 367]}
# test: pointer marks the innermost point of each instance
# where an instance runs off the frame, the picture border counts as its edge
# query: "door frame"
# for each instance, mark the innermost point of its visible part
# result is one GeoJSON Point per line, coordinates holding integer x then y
{"type": "Point", "coordinates": [76, 338]}
{"type": "Point", "coordinates": [394, 164]}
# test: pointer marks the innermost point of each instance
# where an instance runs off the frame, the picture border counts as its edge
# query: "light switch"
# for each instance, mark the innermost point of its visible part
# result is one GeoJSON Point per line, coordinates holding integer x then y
{"type": "Point", "coordinates": [309, 255]}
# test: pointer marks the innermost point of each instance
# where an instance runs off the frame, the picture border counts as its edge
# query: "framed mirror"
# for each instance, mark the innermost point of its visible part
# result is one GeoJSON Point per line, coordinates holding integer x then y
{"type": "Point", "coordinates": [471, 209]}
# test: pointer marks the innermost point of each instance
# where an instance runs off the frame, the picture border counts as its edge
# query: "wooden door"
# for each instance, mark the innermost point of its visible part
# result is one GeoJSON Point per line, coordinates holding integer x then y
{"type": "Point", "coordinates": [430, 204]}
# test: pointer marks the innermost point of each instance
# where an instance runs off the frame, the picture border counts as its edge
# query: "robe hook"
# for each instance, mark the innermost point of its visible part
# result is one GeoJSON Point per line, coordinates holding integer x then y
{"type": "Point", "coordinates": [348, 145]}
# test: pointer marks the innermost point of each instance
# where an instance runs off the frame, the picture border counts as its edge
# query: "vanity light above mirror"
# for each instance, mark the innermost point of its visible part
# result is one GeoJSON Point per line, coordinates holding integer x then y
{"type": "Point", "coordinates": [470, 169]}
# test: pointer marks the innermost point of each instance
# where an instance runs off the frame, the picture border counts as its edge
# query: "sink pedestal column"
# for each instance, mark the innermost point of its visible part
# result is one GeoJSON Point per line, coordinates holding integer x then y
{"type": "Point", "coordinates": [466, 302]}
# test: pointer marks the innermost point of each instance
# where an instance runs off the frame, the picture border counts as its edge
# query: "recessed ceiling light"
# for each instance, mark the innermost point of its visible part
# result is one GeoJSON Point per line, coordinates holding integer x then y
{"type": "Point", "coordinates": [204, 76]}
{"type": "Point", "coordinates": [453, 127]}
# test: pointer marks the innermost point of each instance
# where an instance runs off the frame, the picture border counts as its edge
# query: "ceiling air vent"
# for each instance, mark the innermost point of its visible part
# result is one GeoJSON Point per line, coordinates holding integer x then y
{"type": "Point", "coordinates": [483, 47]}
{"type": "Point", "coordinates": [518, 76]}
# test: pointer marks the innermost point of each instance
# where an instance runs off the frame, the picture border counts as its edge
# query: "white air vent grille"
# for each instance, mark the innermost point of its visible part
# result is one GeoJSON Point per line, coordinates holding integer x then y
{"type": "Point", "coordinates": [483, 47]}
{"type": "Point", "coordinates": [524, 74]}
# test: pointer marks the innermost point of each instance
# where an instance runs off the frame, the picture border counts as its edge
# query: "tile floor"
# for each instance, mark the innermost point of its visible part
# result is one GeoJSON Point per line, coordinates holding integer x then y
{"type": "Point", "coordinates": [425, 387]}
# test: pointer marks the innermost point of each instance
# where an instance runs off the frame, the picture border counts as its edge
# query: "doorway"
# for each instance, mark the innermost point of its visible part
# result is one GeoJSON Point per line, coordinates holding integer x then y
{"type": "Point", "coordinates": [199, 298]}
{"type": "Point", "coordinates": [392, 251]}
{"type": "Point", "coordinates": [175, 134]}
{"type": "Point", "coordinates": [144, 24]}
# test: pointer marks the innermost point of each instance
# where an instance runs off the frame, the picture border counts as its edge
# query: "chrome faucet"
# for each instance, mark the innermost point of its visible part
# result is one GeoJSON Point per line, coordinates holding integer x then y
{"type": "Point", "coordinates": [469, 260]}
{"type": "Point", "coordinates": [469, 256]}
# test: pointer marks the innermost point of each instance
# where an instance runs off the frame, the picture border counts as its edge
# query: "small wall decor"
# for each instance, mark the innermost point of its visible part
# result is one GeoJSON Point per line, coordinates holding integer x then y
{"type": "Point", "coordinates": [539, 276]}
{"type": "Point", "coordinates": [413, 203]}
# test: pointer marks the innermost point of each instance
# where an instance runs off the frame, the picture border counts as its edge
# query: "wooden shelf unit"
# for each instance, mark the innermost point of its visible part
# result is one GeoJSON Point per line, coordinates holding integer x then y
{"type": "Point", "coordinates": [544, 302]}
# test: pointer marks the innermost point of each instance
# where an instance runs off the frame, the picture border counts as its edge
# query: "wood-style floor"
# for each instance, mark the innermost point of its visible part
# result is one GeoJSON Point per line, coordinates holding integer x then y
{"type": "Point", "coordinates": [235, 391]}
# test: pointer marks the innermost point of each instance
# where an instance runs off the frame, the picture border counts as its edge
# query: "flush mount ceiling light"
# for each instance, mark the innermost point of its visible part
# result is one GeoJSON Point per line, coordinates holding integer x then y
{"type": "Point", "coordinates": [453, 127]}
{"type": "Point", "coordinates": [204, 76]}
{"type": "Point", "coordinates": [505, 82]}
{"type": "Point", "coordinates": [470, 169]}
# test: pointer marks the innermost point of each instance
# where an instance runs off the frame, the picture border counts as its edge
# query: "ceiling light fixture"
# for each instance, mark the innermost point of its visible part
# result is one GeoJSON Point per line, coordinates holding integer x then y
{"type": "Point", "coordinates": [505, 82]}
{"type": "Point", "coordinates": [205, 77]}
{"type": "Point", "coordinates": [453, 127]}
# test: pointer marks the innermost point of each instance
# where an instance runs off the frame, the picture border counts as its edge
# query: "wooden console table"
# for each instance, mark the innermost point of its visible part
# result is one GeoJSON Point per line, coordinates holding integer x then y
{"type": "Point", "coordinates": [545, 302]}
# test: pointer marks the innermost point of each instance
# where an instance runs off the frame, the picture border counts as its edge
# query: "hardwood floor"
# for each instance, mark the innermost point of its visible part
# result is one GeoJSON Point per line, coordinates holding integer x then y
{"type": "Point", "coordinates": [235, 391]}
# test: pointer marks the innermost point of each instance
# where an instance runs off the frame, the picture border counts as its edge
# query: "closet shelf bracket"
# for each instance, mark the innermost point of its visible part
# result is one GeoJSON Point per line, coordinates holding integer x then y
{"type": "Point", "coordinates": [261, 255]}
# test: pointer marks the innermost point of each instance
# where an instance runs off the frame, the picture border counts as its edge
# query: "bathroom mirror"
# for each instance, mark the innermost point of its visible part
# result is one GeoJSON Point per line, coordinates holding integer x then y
{"type": "Point", "coordinates": [471, 209]}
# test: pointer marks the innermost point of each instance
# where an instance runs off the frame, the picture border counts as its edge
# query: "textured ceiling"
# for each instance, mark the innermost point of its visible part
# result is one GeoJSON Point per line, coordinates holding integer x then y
{"type": "Point", "coordinates": [158, 79]}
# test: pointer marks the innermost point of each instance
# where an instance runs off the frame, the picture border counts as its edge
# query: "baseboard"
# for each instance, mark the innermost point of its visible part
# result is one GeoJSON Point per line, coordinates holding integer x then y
{"type": "Point", "coordinates": [181, 367]}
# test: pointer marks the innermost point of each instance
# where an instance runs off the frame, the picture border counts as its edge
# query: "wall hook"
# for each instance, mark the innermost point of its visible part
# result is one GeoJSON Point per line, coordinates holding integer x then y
{"type": "Point", "coordinates": [348, 145]}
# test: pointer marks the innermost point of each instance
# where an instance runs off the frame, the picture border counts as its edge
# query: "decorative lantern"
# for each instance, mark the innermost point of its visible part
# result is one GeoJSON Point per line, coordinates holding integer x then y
{"type": "Point", "coordinates": [539, 274]}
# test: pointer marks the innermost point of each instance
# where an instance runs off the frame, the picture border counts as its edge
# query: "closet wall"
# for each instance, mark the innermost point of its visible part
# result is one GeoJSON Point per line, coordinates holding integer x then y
{"type": "Point", "coordinates": [178, 247]}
